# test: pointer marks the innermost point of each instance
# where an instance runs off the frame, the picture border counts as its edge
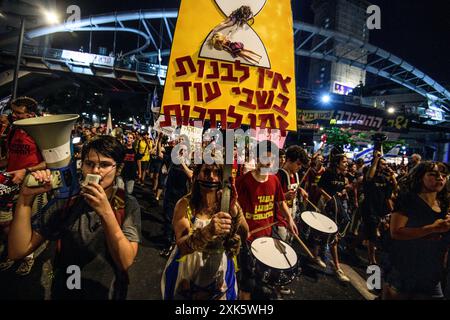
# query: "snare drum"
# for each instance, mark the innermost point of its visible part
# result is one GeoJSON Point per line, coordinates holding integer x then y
{"type": "Point", "coordinates": [276, 262]}
{"type": "Point", "coordinates": [320, 229]}
{"type": "Point", "coordinates": [319, 222]}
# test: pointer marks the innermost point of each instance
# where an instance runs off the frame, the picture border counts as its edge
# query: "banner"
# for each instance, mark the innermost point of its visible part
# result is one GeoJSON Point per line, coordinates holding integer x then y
{"type": "Point", "coordinates": [232, 61]}
{"type": "Point", "coordinates": [84, 58]}
{"type": "Point", "coordinates": [194, 134]}
{"type": "Point", "coordinates": [167, 130]}
{"type": "Point", "coordinates": [109, 126]}
{"type": "Point", "coordinates": [356, 118]}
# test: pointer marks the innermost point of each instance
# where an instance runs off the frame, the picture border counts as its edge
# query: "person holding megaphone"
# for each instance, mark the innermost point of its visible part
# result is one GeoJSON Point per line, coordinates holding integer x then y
{"type": "Point", "coordinates": [23, 154]}
{"type": "Point", "coordinates": [97, 231]}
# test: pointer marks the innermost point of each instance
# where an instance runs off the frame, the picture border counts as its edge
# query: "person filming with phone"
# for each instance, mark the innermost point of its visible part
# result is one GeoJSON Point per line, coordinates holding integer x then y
{"type": "Point", "coordinates": [97, 231]}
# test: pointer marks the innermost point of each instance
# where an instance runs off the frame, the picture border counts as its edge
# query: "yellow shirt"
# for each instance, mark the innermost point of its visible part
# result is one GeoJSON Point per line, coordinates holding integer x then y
{"type": "Point", "coordinates": [145, 150]}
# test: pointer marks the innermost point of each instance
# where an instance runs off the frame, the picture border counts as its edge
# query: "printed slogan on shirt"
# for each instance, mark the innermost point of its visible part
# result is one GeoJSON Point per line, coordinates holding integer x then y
{"type": "Point", "coordinates": [263, 209]}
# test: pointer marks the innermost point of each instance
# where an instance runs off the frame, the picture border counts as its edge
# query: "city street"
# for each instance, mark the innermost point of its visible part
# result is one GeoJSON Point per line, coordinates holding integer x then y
{"type": "Point", "coordinates": [145, 275]}
{"type": "Point", "coordinates": [332, 116]}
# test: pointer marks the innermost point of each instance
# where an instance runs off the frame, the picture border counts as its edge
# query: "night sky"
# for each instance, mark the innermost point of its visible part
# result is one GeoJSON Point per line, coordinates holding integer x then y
{"type": "Point", "coordinates": [416, 30]}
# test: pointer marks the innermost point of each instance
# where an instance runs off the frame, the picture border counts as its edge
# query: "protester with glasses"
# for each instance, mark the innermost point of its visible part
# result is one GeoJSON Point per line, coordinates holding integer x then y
{"type": "Point", "coordinates": [97, 231]}
{"type": "Point", "coordinates": [419, 228]}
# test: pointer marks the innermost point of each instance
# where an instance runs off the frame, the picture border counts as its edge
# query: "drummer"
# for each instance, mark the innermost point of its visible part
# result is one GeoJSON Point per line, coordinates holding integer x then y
{"type": "Point", "coordinates": [333, 192]}
{"type": "Point", "coordinates": [258, 193]}
{"type": "Point", "coordinates": [296, 158]}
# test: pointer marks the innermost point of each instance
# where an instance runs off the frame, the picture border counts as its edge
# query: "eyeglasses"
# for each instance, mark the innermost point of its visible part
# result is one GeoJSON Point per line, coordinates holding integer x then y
{"type": "Point", "coordinates": [103, 165]}
{"type": "Point", "coordinates": [436, 174]}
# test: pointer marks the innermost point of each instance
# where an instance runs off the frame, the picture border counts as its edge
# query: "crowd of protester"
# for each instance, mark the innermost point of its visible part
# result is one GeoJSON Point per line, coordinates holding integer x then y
{"type": "Point", "coordinates": [397, 214]}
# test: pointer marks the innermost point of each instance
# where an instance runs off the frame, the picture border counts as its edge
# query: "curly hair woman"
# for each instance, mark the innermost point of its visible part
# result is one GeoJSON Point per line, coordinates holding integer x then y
{"type": "Point", "coordinates": [201, 267]}
{"type": "Point", "coordinates": [419, 228]}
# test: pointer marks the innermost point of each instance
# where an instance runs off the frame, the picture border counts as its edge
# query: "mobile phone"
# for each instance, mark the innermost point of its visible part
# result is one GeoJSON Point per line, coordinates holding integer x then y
{"type": "Point", "coordinates": [95, 178]}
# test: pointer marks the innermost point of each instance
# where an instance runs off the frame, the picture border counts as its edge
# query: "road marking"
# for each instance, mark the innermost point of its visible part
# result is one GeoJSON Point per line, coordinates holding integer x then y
{"type": "Point", "coordinates": [358, 282]}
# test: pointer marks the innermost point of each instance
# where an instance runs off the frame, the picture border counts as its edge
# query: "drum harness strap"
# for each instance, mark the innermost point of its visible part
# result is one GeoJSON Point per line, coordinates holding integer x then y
{"type": "Point", "coordinates": [344, 232]}
{"type": "Point", "coordinates": [289, 187]}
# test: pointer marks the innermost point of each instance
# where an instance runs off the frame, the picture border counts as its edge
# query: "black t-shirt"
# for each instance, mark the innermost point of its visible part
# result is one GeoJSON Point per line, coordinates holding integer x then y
{"type": "Point", "coordinates": [351, 177]}
{"type": "Point", "coordinates": [376, 193]}
{"type": "Point", "coordinates": [418, 264]}
{"type": "Point", "coordinates": [177, 183]}
{"type": "Point", "coordinates": [167, 156]}
{"type": "Point", "coordinates": [129, 171]}
{"type": "Point", "coordinates": [83, 244]}
{"type": "Point", "coordinates": [332, 182]}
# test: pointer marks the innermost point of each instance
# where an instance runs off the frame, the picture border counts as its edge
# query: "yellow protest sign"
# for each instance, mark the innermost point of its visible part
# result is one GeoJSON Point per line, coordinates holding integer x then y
{"type": "Point", "coordinates": [232, 61]}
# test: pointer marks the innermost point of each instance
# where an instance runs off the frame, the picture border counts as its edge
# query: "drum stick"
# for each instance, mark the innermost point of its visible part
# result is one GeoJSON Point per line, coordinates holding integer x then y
{"type": "Point", "coordinates": [313, 205]}
{"type": "Point", "coordinates": [304, 177]}
{"type": "Point", "coordinates": [263, 228]}
{"type": "Point", "coordinates": [323, 191]}
{"type": "Point", "coordinates": [304, 247]}
{"type": "Point", "coordinates": [309, 169]}
{"type": "Point", "coordinates": [282, 248]}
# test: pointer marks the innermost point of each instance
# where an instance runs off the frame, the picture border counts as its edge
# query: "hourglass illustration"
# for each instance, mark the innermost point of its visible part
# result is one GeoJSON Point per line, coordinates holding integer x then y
{"type": "Point", "coordinates": [233, 38]}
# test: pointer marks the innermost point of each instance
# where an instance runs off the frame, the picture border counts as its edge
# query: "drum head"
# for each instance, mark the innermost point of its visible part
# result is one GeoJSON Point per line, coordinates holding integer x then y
{"type": "Point", "coordinates": [268, 251]}
{"type": "Point", "coordinates": [319, 222]}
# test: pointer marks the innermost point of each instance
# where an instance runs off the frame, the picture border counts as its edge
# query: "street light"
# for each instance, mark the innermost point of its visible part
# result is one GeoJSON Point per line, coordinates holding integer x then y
{"type": "Point", "coordinates": [51, 17]}
{"type": "Point", "coordinates": [326, 98]}
{"type": "Point", "coordinates": [391, 110]}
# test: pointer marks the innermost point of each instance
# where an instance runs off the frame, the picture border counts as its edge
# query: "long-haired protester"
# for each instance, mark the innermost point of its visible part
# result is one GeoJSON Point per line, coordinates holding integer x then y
{"type": "Point", "coordinates": [379, 184]}
{"type": "Point", "coordinates": [202, 265]}
{"type": "Point", "coordinates": [332, 187]}
{"type": "Point", "coordinates": [97, 232]}
{"type": "Point", "coordinates": [419, 228]}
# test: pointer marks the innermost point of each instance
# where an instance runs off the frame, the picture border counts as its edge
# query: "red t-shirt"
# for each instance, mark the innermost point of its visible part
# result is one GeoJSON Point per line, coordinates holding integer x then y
{"type": "Point", "coordinates": [22, 151]}
{"type": "Point", "coordinates": [258, 200]}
